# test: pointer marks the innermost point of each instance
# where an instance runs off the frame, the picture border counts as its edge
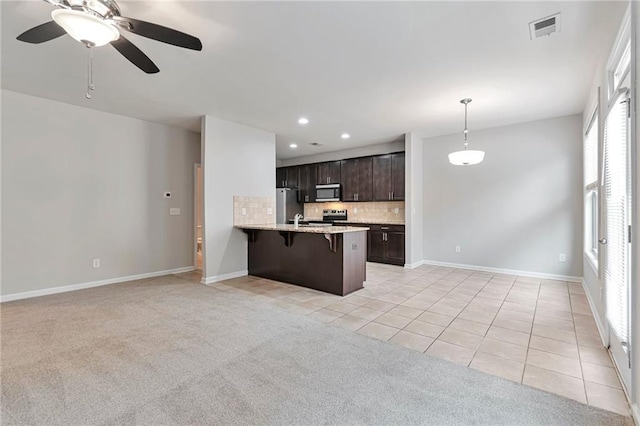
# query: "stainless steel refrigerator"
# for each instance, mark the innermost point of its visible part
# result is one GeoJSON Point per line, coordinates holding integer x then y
{"type": "Point", "coordinates": [287, 205]}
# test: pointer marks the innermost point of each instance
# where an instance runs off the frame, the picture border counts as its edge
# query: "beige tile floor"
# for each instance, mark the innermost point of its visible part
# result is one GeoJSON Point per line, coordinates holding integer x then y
{"type": "Point", "coordinates": [537, 332]}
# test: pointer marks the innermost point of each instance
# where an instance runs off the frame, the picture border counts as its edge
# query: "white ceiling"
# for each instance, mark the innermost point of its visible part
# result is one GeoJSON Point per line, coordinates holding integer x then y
{"type": "Point", "coordinates": [375, 70]}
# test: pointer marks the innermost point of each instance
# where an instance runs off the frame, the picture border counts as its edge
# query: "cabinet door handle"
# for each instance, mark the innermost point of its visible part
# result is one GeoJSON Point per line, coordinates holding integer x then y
{"type": "Point", "coordinates": [392, 197]}
{"type": "Point", "coordinates": [356, 196]}
{"type": "Point", "coordinates": [384, 227]}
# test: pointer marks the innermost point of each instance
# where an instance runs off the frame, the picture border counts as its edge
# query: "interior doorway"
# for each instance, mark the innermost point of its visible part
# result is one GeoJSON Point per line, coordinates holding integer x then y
{"type": "Point", "coordinates": [198, 208]}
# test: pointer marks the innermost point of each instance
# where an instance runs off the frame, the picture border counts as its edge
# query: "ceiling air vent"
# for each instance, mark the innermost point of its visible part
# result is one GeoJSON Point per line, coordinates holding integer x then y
{"type": "Point", "coordinates": [545, 26]}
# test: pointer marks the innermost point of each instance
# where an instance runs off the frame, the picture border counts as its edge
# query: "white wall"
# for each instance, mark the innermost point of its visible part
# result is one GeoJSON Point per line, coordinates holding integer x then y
{"type": "Point", "coordinates": [414, 190]}
{"type": "Point", "coordinates": [518, 209]}
{"type": "Point", "coordinates": [378, 149]}
{"type": "Point", "coordinates": [79, 184]}
{"type": "Point", "coordinates": [237, 160]}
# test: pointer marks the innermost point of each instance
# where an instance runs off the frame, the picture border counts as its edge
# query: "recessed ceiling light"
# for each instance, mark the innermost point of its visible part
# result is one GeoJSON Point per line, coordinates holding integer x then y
{"type": "Point", "coordinates": [345, 136]}
{"type": "Point", "coordinates": [293, 145]}
{"type": "Point", "coordinates": [303, 120]}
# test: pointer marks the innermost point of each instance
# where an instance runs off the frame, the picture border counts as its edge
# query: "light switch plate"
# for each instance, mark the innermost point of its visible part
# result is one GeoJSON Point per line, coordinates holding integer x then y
{"type": "Point", "coordinates": [269, 211]}
{"type": "Point", "coordinates": [174, 211]}
{"type": "Point", "coordinates": [96, 263]}
{"type": "Point", "coordinates": [244, 211]}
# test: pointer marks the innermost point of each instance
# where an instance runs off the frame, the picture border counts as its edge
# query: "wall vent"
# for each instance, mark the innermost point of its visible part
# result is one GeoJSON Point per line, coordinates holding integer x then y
{"type": "Point", "coordinates": [545, 26]}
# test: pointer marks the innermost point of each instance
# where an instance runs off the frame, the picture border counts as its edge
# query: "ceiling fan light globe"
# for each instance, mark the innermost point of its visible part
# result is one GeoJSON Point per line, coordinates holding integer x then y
{"type": "Point", "coordinates": [466, 157]}
{"type": "Point", "coordinates": [85, 28]}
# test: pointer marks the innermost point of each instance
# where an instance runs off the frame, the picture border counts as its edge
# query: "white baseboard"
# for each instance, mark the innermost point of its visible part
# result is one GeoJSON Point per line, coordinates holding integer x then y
{"type": "Point", "coordinates": [635, 414]}
{"type": "Point", "coordinates": [414, 265]}
{"type": "Point", "coordinates": [66, 288]}
{"type": "Point", "coordinates": [218, 278]}
{"type": "Point", "coordinates": [504, 271]}
{"type": "Point", "coordinates": [594, 313]}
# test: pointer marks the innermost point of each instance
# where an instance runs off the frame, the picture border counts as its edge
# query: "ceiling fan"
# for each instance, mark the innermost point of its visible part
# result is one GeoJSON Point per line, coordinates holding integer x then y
{"type": "Point", "coordinates": [98, 22]}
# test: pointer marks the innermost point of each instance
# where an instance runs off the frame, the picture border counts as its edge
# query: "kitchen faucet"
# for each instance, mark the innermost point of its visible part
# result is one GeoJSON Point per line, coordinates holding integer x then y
{"type": "Point", "coordinates": [296, 218]}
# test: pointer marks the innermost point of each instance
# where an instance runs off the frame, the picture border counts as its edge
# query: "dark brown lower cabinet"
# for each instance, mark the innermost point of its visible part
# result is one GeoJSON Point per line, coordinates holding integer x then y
{"type": "Point", "coordinates": [394, 248]}
{"type": "Point", "coordinates": [375, 246]}
{"type": "Point", "coordinates": [385, 243]}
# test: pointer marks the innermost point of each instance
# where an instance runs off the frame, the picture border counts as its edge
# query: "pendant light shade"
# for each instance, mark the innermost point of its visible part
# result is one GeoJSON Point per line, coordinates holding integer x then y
{"type": "Point", "coordinates": [466, 157]}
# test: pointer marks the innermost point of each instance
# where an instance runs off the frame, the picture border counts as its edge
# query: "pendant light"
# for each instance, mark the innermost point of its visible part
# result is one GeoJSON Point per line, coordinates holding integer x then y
{"type": "Point", "coordinates": [466, 157]}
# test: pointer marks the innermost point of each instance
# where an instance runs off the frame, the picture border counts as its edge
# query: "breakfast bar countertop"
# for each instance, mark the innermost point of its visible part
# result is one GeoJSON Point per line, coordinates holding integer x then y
{"type": "Point", "coordinates": [307, 229]}
{"type": "Point", "coordinates": [372, 222]}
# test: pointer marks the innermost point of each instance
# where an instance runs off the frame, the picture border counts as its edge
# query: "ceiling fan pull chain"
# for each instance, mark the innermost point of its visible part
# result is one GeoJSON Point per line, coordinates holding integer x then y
{"type": "Point", "coordinates": [90, 85]}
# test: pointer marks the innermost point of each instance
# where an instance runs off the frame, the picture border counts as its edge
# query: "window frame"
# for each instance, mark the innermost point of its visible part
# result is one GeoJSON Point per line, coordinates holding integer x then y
{"type": "Point", "coordinates": [620, 48]}
{"type": "Point", "coordinates": [591, 192]}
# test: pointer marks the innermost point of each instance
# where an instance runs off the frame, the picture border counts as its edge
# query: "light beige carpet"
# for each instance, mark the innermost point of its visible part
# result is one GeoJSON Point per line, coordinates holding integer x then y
{"type": "Point", "coordinates": [170, 351]}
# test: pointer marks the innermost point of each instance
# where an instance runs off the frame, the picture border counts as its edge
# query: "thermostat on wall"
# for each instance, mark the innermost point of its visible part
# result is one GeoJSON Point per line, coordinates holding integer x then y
{"type": "Point", "coordinates": [167, 195]}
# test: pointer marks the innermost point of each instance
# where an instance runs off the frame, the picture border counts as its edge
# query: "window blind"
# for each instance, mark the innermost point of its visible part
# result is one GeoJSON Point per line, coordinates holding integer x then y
{"type": "Point", "coordinates": [616, 188]}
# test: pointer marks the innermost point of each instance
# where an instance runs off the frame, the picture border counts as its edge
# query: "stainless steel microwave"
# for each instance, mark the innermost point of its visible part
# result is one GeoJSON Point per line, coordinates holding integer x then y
{"type": "Point", "coordinates": [330, 192]}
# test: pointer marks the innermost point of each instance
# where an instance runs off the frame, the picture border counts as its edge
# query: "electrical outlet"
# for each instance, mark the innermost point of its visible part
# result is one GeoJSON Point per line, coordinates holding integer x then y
{"type": "Point", "coordinates": [96, 263]}
{"type": "Point", "coordinates": [269, 211]}
{"type": "Point", "coordinates": [458, 249]}
{"type": "Point", "coordinates": [355, 210]}
{"type": "Point", "coordinates": [174, 211]}
{"type": "Point", "coordinates": [562, 257]}
{"type": "Point", "coordinates": [396, 210]}
{"type": "Point", "coordinates": [244, 211]}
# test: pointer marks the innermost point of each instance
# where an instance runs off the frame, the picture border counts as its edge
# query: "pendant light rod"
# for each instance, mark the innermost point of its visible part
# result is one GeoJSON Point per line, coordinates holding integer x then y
{"type": "Point", "coordinates": [466, 102]}
{"type": "Point", "coordinates": [466, 157]}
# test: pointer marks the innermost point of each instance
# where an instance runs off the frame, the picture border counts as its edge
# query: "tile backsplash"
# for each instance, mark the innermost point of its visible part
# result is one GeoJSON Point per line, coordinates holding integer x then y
{"type": "Point", "coordinates": [381, 211]}
{"type": "Point", "coordinates": [257, 210]}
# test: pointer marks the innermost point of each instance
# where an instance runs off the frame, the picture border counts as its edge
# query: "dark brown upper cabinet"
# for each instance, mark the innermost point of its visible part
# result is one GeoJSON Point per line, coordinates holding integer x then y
{"type": "Point", "coordinates": [287, 177]}
{"type": "Point", "coordinates": [307, 183]}
{"type": "Point", "coordinates": [397, 176]}
{"type": "Point", "coordinates": [357, 179]}
{"type": "Point", "coordinates": [281, 177]}
{"type": "Point", "coordinates": [388, 177]}
{"type": "Point", "coordinates": [328, 172]}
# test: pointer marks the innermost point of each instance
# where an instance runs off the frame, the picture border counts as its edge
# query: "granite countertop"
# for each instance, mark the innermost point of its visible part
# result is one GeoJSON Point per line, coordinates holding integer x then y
{"type": "Point", "coordinates": [304, 229]}
{"type": "Point", "coordinates": [373, 222]}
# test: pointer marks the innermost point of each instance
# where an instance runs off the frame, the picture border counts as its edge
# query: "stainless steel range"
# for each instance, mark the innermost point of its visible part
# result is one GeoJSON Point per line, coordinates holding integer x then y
{"type": "Point", "coordinates": [330, 216]}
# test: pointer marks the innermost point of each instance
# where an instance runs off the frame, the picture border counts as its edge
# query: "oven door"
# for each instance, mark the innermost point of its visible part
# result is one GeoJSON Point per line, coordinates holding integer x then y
{"type": "Point", "coordinates": [329, 192]}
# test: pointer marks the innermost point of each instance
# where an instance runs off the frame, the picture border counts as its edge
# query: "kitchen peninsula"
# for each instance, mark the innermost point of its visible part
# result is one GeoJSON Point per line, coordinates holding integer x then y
{"type": "Point", "coordinates": [326, 258]}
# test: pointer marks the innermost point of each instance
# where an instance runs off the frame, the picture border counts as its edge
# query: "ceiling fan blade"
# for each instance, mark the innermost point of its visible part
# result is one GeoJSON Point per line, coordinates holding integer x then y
{"type": "Point", "coordinates": [41, 33]}
{"type": "Point", "coordinates": [160, 33]}
{"type": "Point", "coordinates": [135, 55]}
